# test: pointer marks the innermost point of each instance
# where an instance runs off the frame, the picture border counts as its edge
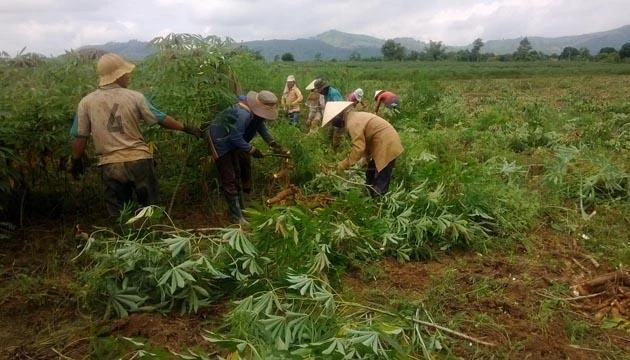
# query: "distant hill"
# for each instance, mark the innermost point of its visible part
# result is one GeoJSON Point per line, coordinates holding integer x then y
{"type": "Point", "coordinates": [308, 49]}
{"type": "Point", "coordinates": [132, 50]}
{"type": "Point", "coordinates": [593, 42]}
{"type": "Point", "coordinates": [334, 44]}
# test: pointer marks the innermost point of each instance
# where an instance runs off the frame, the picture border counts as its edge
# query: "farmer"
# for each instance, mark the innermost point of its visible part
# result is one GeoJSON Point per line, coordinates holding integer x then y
{"type": "Point", "coordinates": [229, 137]}
{"type": "Point", "coordinates": [373, 139]}
{"type": "Point", "coordinates": [330, 94]}
{"type": "Point", "coordinates": [291, 99]}
{"type": "Point", "coordinates": [315, 102]}
{"type": "Point", "coordinates": [387, 98]}
{"type": "Point", "coordinates": [111, 115]}
{"type": "Point", "coordinates": [356, 97]}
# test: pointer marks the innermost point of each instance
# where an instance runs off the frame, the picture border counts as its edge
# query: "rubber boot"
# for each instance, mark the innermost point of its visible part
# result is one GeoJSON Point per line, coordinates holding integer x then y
{"type": "Point", "coordinates": [241, 200]}
{"type": "Point", "coordinates": [235, 211]}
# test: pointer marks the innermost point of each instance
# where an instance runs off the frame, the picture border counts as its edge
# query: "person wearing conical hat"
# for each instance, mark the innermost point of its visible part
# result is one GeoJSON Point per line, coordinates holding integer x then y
{"type": "Point", "coordinates": [373, 139]}
{"type": "Point", "coordinates": [291, 100]}
{"type": "Point", "coordinates": [111, 116]}
{"type": "Point", "coordinates": [228, 138]}
{"type": "Point", "coordinates": [388, 98]}
{"type": "Point", "coordinates": [330, 93]}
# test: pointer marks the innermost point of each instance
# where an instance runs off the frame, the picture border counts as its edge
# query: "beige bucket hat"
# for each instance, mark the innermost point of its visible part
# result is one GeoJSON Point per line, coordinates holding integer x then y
{"type": "Point", "coordinates": [334, 108]}
{"type": "Point", "coordinates": [110, 67]}
{"type": "Point", "coordinates": [263, 104]}
{"type": "Point", "coordinates": [290, 78]}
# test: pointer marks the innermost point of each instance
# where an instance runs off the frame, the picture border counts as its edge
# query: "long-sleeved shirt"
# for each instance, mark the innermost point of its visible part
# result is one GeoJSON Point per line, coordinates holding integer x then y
{"type": "Point", "coordinates": [291, 99]}
{"type": "Point", "coordinates": [333, 95]}
{"type": "Point", "coordinates": [234, 128]}
{"type": "Point", "coordinates": [372, 138]}
{"type": "Point", "coordinates": [315, 101]}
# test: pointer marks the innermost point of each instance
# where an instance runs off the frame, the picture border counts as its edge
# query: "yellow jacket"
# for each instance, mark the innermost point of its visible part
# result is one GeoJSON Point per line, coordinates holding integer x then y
{"type": "Point", "coordinates": [372, 138]}
{"type": "Point", "coordinates": [291, 99]}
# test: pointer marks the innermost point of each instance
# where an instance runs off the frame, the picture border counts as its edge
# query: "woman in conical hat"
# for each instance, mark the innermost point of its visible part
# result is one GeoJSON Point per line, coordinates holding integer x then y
{"type": "Point", "coordinates": [373, 139]}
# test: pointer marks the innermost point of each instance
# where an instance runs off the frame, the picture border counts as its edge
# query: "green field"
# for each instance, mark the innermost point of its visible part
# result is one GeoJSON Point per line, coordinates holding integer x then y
{"type": "Point", "coordinates": [504, 234]}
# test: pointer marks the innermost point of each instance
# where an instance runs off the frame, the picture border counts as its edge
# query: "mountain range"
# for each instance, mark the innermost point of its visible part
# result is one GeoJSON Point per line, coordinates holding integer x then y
{"type": "Point", "coordinates": [334, 44]}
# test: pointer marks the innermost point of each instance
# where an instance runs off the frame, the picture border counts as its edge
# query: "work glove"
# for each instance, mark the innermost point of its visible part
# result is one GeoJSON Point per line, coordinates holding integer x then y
{"type": "Point", "coordinates": [78, 168]}
{"type": "Point", "coordinates": [193, 130]}
{"type": "Point", "coordinates": [342, 165]}
{"type": "Point", "coordinates": [256, 153]}
{"type": "Point", "coordinates": [277, 148]}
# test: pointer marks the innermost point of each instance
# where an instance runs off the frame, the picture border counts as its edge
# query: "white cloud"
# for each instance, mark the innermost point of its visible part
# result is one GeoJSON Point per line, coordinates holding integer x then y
{"type": "Point", "coordinates": [50, 26]}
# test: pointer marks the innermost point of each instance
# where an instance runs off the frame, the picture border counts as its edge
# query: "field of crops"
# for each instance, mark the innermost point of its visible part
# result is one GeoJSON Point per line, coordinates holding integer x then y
{"type": "Point", "coordinates": [504, 234]}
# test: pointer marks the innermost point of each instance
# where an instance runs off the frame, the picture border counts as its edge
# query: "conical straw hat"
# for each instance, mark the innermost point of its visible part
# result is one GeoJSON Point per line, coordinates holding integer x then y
{"type": "Point", "coordinates": [334, 108]}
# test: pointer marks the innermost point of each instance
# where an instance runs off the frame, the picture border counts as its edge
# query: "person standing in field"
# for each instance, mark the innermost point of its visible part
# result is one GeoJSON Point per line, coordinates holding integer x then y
{"type": "Point", "coordinates": [111, 115]}
{"type": "Point", "coordinates": [315, 102]}
{"type": "Point", "coordinates": [291, 100]}
{"type": "Point", "coordinates": [356, 97]}
{"type": "Point", "coordinates": [388, 99]}
{"type": "Point", "coordinates": [373, 139]}
{"type": "Point", "coordinates": [228, 138]}
{"type": "Point", "coordinates": [330, 93]}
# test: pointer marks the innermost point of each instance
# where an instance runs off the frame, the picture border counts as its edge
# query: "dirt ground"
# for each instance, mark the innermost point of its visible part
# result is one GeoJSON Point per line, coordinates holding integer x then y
{"type": "Point", "coordinates": [517, 300]}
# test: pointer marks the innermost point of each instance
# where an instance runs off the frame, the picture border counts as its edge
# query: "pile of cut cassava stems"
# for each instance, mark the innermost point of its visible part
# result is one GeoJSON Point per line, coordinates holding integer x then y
{"type": "Point", "coordinates": [607, 295]}
{"type": "Point", "coordinates": [291, 194]}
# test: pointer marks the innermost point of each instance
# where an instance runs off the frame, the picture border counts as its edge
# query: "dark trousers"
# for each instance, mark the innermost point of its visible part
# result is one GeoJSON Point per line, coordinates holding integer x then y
{"type": "Point", "coordinates": [294, 117]}
{"type": "Point", "coordinates": [121, 180]}
{"type": "Point", "coordinates": [378, 181]}
{"type": "Point", "coordinates": [235, 173]}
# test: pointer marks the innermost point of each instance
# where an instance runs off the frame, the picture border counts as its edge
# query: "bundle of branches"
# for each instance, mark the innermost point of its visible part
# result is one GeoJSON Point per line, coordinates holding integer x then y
{"type": "Point", "coordinates": [607, 295]}
{"type": "Point", "coordinates": [290, 194]}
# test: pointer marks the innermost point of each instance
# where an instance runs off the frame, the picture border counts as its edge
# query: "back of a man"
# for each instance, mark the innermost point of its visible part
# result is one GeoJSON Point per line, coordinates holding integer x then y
{"type": "Point", "coordinates": [111, 115]}
{"type": "Point", "coordinates": [114, 117]}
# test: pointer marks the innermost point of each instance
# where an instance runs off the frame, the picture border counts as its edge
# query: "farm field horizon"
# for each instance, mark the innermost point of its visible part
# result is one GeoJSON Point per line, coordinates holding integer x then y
{"type": "Point", "coordinates": [504, 233]}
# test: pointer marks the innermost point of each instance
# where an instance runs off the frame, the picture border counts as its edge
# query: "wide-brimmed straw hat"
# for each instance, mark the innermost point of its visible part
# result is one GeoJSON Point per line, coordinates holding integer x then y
{"type": "Point", "coordinates": [110, 67]}
{"type": "Point", "coordinates": [290, 78]}
{"type": "Point", "coordinates": [263, 104]}
{"type": "Point", "coordinates": [377, 93]}
{"type": "Point", "coordinates": [320, 84]}
{"type": "Point", "coordinates": [334, 108]}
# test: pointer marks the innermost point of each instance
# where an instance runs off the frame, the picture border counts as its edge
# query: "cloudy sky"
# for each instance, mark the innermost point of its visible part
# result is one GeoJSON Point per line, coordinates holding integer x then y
{"type": "Point", "coordinates": [52, 26]}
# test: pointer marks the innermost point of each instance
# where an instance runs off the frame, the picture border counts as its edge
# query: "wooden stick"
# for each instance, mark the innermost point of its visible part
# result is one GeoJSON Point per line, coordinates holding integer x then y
{"type": "Point", "coordinates": [571, 298]}
{"type": "Point", "coordinates": [592, 259]}
{"type": "Point", "coordinates": [583, 348]}
{"type": "Point", "coordinates": [620, 277]}
{"type": "Point", "coordinates": [580, 265]}
{"type": "Point", "coordinates": [453, 332]}
{"type": "Point", "coordinates": [435, 326]}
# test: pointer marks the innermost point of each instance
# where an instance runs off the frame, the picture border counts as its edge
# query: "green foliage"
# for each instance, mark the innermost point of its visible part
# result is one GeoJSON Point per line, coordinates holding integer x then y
{"type": "Point", "coordinates": [486, 157]}
{"type": "Point", "coordinates": [287, 57]}
{"type": "Point", "coordinates": [393, 50]}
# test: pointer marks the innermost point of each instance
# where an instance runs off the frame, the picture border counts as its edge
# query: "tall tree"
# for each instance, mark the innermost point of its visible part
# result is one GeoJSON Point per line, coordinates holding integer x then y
{"type": "Point", "coordinates": [476, 49]}
{"type": "Point", "coordinates": [624, 52]}
{"type": "Point", "coordinates": [607, 50]}
{"type": "Point", "coordinates": [392, 50]}
{"type": "Point", "coordinates": [524, 50]}
{"type": "Point", "coordinates": [287, 57]}
{"type": "Point", "coordinates": [569, 53]}
{"type": "Point", "coordinates": [435, 50]}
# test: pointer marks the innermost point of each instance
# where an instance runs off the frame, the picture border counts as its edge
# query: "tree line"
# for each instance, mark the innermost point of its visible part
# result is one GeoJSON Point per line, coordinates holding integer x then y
{"type": "Point", "coordinates": [435, 50]}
